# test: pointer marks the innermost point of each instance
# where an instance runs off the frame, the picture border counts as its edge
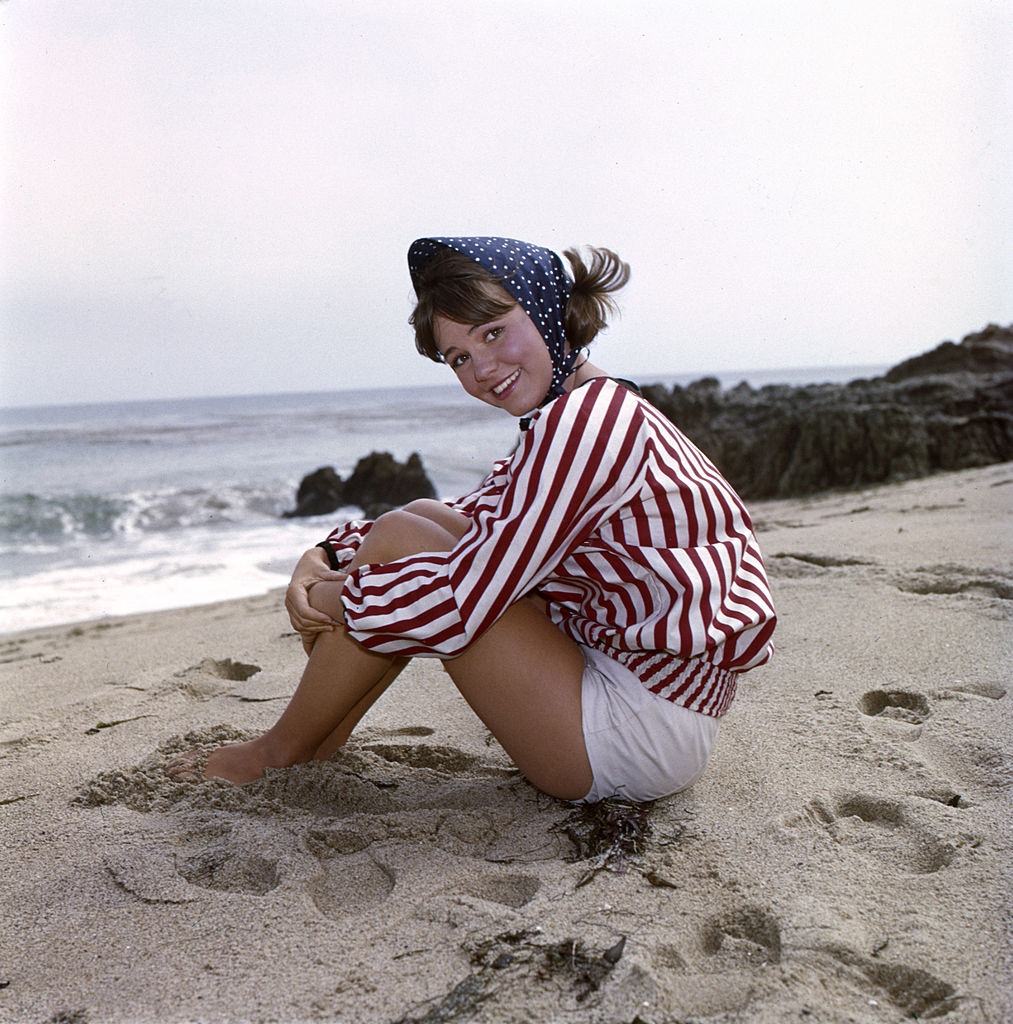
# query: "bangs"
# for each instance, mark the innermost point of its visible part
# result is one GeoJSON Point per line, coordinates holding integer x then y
{"type": "Point", "coordinates": [459, 289]}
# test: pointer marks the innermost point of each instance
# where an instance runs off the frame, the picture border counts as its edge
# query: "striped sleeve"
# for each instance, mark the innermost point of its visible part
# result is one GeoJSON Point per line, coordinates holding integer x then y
{"type": "Point", "coordinates": [342, 542]}
{"type": "Point", "coordinates": [487, 492]}
{"type": "Point", "coordinates": [577, 465]}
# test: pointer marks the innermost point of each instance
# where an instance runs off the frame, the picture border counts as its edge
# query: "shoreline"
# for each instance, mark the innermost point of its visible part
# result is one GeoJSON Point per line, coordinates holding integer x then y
{"type": "Point", "coordinates": [842, 858]}
{"type": "Point", "coordinates": [756, 506]}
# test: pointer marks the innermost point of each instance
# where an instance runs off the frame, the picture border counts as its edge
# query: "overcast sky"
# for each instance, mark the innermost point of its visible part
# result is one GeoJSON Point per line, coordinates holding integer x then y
{"type": "Point", "coordinates": [217, 197]}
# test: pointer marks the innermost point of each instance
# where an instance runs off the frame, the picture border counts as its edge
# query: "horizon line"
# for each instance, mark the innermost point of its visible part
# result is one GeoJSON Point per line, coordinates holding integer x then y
{"type": "Point", "coordinates": [641, 377]}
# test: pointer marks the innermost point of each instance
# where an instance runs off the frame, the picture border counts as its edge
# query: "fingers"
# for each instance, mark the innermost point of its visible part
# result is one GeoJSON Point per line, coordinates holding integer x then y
{"type": "Point", "coordinates": [301, 613]}
{"type": "Point", "coordinates": [310, 622]}
{"type": "Point", "coordinates": [309, 631]}
{"type": "Point", "coordinates": [313, 629]}
{"type": "Point", "coordinates": [307, 621]}
{"type": "Point", "coordinates": [304, 615]}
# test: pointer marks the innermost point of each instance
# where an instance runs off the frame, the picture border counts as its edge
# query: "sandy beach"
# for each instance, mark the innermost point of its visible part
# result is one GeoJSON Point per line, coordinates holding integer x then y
{"type": "Point", "coordinates": [846, 857]}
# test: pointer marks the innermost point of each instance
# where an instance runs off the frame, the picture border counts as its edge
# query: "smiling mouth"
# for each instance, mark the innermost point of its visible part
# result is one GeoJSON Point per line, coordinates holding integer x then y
{"type": "Point", "coordinates": [507, 384]}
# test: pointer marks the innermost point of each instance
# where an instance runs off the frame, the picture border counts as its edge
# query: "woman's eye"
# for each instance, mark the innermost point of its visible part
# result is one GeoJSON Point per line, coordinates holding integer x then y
{"type": "Point", "coordinates": [458, 361]}
{"type": "Point", "coordinates": [493, 333]}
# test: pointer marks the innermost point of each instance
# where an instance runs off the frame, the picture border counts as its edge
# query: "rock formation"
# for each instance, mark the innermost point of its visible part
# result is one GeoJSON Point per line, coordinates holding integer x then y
{"type": "Point", "coordinates": [319, 492]}
{"type": "Point", "coordinates": [377, 484]}
{"type": "Point", "coordinates": [951, 408]}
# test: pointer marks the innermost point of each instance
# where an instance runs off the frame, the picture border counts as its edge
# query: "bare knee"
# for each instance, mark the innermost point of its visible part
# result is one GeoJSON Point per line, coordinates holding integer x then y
{"type": "Point", "coordinates": [436, 512]}
{"type": "Point", "coordinates": [395, 522]}
{"type": "Point", "coordinates": [392, 535]}
{"type": "Point", "coordinates": [425, 507]}
{"type": "Point", "coordinates": [326, 597]}
{"type": "Point", "coordinates": [399, 533]}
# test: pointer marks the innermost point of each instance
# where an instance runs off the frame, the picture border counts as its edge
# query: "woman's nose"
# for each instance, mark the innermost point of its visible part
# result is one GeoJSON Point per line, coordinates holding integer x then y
{"type": "Point", "coordinates": [482, 366]}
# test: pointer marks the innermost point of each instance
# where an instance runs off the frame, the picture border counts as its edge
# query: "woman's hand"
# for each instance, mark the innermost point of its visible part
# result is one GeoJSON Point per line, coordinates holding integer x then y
{"type": "Point", "coordinates": [307, 621]}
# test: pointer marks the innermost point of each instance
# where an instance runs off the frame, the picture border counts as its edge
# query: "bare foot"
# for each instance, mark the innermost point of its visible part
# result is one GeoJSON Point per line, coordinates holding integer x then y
{"type": "Point", "coordinates": [237, 763]}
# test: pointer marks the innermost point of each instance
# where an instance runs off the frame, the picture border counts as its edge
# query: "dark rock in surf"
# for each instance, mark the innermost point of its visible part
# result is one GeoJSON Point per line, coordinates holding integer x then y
{"type": "Point", "coordinates": [319, 493]}
{"type": "Point", "coordinates": [379, 483]}
{"type": "Point", "coordinates": [948, 409]}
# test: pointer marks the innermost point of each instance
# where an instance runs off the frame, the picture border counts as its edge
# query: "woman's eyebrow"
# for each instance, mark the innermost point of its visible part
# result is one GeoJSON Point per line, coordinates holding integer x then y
{"type": "Point", "coordinates": [473, 327]}
{"type": "Point", "coordinates": [488, 323]}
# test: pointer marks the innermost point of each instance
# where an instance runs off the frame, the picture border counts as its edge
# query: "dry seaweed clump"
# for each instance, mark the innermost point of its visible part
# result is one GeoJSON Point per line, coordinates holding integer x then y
{"type": "Point", "coordinates": [586, 968]}
{"type": "Point", "coordinates": [510, 960]}
{"type": "Point", "coordinates": [613, 833]}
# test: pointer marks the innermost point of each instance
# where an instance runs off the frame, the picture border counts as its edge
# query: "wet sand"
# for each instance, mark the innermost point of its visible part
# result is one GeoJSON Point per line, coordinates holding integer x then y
{"type": "Point", "coordinates": [846, 857]}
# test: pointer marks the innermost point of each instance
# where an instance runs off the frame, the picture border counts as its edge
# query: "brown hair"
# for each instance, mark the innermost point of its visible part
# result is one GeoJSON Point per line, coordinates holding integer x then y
{"type": "Point", "coordinates": [455, 286]}
{"type": "Point", "coordinates": [591, 300]}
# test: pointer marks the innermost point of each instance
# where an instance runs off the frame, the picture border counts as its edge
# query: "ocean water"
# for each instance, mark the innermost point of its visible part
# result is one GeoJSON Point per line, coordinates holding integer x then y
{"type": "Point", "coordinates": [136, 506]}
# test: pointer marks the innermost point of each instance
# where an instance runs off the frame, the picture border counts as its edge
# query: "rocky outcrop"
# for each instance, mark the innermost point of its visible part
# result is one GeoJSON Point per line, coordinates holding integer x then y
{"type": "Point", "coordinates": [377, 484]}
{"type": "Point", "coordinates": [951, 408]}
{"type": "Point", "coordinates": [989, 351]}
{"type": "Point", "coordinates": [319, 492]}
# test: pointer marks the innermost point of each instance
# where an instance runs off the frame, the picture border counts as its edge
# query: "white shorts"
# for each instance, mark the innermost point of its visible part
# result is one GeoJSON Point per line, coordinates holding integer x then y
{"type": "Point", "coordinates": [641, 746]}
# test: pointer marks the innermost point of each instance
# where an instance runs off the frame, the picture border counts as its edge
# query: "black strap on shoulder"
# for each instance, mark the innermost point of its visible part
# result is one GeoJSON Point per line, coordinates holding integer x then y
{"type": "Point", "coordinates": [629, 385]}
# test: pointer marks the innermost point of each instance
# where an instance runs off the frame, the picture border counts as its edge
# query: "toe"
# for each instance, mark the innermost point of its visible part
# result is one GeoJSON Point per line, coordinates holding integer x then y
{"type": "Point", "coordinates": [186, 767]}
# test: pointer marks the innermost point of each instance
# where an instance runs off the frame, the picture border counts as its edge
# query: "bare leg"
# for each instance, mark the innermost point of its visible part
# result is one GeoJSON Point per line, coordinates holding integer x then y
{"type": "Point", "coordinates": [532, 664]}
{"type": "Point", "coordinates": [522, 677]}
{"type": "Point", "coordinates": [395, 544]}
{"type": "Point", "coordinates": [341, 679]}
{"type": "Point", "coordinates": [338, 675]}
{"type": "Point", "coordinates": [339, 737]}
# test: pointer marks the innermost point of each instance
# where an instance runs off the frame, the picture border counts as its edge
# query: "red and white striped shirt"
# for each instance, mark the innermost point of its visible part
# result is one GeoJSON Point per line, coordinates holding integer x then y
{"type": "Point", "coordinates": [636, 542]}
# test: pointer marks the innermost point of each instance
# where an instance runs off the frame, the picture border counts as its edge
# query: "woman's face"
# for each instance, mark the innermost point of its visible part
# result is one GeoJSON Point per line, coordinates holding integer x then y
{"type": "Point", "coordinates": [504, 362]}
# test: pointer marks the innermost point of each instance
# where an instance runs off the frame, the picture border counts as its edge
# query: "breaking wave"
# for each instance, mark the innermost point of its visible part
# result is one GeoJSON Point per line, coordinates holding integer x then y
{"type": "Point", "coordinates": [55, 519]}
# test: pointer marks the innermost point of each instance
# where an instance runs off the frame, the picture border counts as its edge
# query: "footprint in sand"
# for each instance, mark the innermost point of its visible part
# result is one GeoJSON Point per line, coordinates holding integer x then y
{"type": "Point", "coordinates": [350, 885]}
{"type": "Point", "coordinates": [150, 875]}
{"type": "Point", "coordinates": [750, 937]}
{"type": "Point", "coordinates": [746, 936]}
{"type": "Point", "coordinates": [878, 827]}
{"type": "Point", "coordinates": [988, 763]}
{"type": "Point", "coordinates": [991, 691]}
{"type": "Point", "coordinates": [948, 580]}
{"type": "Point", "coordinates": [511, 890]}
{"type": "Point", "coordinates": [13, 650]}
{"type": "Point", "coordinates": [900, 705]}
{"type": "Point", "coordinates": [799, 564]}
{"type": "Point", "coordinates": [230, 868]}
{"type": "Point", "coordinates": [211, 677]}
{"type": "Point", "coordinates": [434, 756]}
{"type": "Point", "coordinates": [916, 993]}
{"type": "Point", "coordinates": [470, 828]}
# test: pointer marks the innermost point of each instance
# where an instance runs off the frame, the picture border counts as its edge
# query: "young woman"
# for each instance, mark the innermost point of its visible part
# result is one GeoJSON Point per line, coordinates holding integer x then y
{"type": "Point", "coordinates": [594, 599]}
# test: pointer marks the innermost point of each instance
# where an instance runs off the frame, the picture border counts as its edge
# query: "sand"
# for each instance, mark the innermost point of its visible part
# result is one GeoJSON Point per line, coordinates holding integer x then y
{"type": "Point", "coordinates": [845, 857]}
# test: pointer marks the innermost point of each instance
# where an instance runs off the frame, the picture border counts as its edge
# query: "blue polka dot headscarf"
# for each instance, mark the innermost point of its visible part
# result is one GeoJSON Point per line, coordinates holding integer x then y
{"type": "Point", "coordinates": [532, 275]}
